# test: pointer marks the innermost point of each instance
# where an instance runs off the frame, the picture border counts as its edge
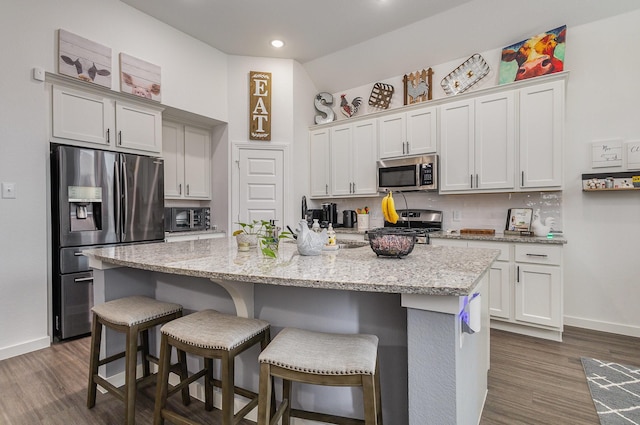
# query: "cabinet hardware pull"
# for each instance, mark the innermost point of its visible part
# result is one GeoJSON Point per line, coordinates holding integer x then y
{"type": "Point", "coordinates": [522, 180]}
{"type": "Point", "coordinates": [408, 148]}
{"type": "Point", "coordinates": [180, 189]}
{"type": "Point", "coordinates": [120, 137]}
{"type": "Point", "coordinates": [187, 188]}
{"type": "Point", "coordinates": [471, 178]}
{"type": "Point", "coordinates": [518, 274]}
{"type": "Point", "coordinates": [354, 188]}
{"type": "Point", "coordinates": [108, 136]}
{"type": "Point", "coordinates": [326, 189]}
{"type": "Point", "coordinates": [83, 279]}
{"type": "Point", "coordinates": [537, 255]}
{"type": "Point", "coordinates": [477, 181]}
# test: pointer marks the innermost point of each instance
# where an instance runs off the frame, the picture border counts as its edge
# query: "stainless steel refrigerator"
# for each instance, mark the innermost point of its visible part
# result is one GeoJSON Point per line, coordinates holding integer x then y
{"type": "Point", "coordinates": [99, 198]}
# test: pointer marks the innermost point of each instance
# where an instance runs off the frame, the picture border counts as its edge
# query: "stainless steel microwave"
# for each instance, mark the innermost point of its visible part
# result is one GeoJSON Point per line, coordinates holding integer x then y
{"type": "Point", "coordinates": [180, 219]}
{"type": "Point", "coordinates": [408, 174]}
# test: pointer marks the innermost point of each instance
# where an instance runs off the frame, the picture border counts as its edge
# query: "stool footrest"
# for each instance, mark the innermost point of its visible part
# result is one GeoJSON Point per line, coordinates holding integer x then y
{"type": "Point", "coordinates": [177, 419]}
{"type": "Point", "coordinates": [186, 382]}
{"type": "Point", "coordinates": [117, 392]}
{"type": "Point", "coordinates": [238, 390]}
{"type": "Point", "coordinates": [323, 417]}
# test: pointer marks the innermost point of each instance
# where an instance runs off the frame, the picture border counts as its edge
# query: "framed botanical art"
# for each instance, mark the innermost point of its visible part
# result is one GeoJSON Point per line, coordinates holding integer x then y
{"type": "Point", "coordinates": [417, 86]}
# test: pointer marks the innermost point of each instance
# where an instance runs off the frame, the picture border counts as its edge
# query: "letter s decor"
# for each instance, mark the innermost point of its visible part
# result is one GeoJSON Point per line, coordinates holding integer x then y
{"type": "Point", "coordinates": [321, 102]}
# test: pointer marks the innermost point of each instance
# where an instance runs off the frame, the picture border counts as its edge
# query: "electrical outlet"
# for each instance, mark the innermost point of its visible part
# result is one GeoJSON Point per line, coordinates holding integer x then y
{"type": "Point", "coordinates": [8, 190]}
{"type": "Point", "coordinates": [456, 215]}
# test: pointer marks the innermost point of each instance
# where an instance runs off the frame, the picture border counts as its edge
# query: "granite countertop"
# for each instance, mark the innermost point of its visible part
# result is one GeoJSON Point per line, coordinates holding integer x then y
{"type": "Point", "coordinates": [427, 270]}
{"type": "Point", "coordinates": [499, 237]}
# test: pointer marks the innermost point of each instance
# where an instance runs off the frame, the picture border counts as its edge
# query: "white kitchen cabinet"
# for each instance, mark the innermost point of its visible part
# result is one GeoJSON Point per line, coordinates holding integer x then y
{"type": "Point", "coordinates": [108, 122]}
{"type": "Point", "coordinates": [541, 131]}
{"type": "Point", "coordinates": [187, 156]}
{"type": "Point", "coordinates": [319, 163]}
{"type": "Point", "coordinates": [408, 133]}
{"type": "Point", "coordinates": [353, 159]}
{"type": "Point", "coordinates": [477, 144]}
{"type": "Point", "coordinates": [525, 283]}
{"type": "Point", "coordinates": [538, 288]}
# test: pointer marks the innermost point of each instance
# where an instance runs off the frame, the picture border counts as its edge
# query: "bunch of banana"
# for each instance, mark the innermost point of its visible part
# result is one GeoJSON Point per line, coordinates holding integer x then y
{"type": "Point", "coordinates": [389, 209]}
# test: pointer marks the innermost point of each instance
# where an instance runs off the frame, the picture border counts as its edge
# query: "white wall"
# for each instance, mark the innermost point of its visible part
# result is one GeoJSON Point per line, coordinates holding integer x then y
{"type": "Point", "coordinates": [194, 78]}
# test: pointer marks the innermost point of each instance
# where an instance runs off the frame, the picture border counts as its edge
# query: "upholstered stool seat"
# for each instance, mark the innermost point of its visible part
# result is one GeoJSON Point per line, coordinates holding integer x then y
{"type": "Point", "coordinates": [321, 359]}
{"type": "Point", "coordinates": [211, 335]}
{"type": "Point", "coordinates": [133, 316]}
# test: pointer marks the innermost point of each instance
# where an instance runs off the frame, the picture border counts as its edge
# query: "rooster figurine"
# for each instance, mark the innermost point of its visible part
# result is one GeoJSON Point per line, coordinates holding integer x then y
{"type": "Point", "coordinates": [349, 109]}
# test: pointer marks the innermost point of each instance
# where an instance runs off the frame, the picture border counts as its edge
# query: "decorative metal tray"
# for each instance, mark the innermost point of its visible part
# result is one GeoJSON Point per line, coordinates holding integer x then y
{"type": "Point", "coordinates": [466, 75]}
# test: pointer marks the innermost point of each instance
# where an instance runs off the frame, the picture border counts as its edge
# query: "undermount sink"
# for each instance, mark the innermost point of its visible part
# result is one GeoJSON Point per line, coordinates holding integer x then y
{"type": "Point", "coordinates": [352, 244]}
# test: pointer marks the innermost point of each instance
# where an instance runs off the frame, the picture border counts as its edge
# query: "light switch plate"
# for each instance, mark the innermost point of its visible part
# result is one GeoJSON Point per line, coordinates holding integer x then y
{"type": "Point", "coordinates": [8, 190]}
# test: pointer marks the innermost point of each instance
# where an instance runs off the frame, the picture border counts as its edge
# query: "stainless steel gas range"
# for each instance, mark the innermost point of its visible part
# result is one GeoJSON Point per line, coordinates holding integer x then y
{"type": "Point", "coordinates": [422, 222]}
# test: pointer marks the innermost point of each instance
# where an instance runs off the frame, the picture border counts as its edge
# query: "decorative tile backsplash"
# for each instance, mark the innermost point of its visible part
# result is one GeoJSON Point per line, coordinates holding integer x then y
{"type": "Point", "coordinates": [481, 211]}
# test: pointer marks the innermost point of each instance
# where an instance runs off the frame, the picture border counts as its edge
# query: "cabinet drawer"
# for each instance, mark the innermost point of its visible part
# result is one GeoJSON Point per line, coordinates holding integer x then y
{"type": "Point", "coordinates": [538, 254]}
{"type": "Point", "coordinates": [505, 251]}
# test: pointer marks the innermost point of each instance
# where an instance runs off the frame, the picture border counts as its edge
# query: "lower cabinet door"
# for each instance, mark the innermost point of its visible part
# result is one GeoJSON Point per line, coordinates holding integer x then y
{"type": "Point", "coordinates": [538, 293]}
{"type": "Point", "coordinates": [500, 290]}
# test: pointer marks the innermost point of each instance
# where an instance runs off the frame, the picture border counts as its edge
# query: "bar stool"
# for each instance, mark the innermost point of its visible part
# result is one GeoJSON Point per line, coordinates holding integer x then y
{"type": "Point", "coordinates": [132, 316]}
{"type": "Point", "coordinates": [211, 335]}
{"type": "Point", "coordinates": [320, 359]}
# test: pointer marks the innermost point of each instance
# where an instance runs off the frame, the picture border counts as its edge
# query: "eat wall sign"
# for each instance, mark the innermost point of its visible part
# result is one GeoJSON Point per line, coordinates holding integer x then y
{"type": "Point", "coordinates": [260, 106]}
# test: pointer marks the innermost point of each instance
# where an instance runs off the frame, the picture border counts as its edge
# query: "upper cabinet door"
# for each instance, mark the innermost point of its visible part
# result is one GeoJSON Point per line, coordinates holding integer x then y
{"type": "Point", "coordinates": [393, 135]}
{"type": "Point", "coordinates": [197, 163]}
{"type": "Point", "coordinates": [365, 154]}
{"type": "Point", "coordinates": [541, 135]}
{"type": "Point", "coordinates": [495, 141]}
{"type": "Point", "coordinates": [341, 151]}
{"type": "Point", "coordinates": [457, 154]}
{"type": "Point", "coordinates": [139, 127]}
{"type": "Point", "coordinates": [319, 158]}
{"type": "Point", "coordinates": [421, 131]}
{"type": "Point", "coordinates": [83, 116]}
{"type": "Point", "coordinates": [172, 151]}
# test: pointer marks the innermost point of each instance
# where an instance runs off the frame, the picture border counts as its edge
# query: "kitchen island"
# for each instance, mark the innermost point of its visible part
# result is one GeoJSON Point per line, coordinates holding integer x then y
{"type": "Point", "coordinates": [432, 372]}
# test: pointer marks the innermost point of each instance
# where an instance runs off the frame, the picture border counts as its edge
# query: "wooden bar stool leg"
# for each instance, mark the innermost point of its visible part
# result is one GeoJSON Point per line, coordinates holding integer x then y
{"type": "Point", "coordinates": [265, 407]}
{"type": "Point", "coordinates": [228, 383]}
{"type": "Point", "coordinates": [378, 394]}
{"type": "Point", "coordinates": [208, 385]}
{"type": "Point", "coordinates": [96, 338]}
{"type": "Point", "coordinates": [369, 398]}
{"type": "Point", "coordinates": [131, 361]}
{"type": "Point", "coordinates": [144, 336]}
{"type": "Point", "coordinates": [286, 395]}
{"type": "Point", "coordinates": [163, 380]}
{"type": "Point", "coordinates": [184, 374]}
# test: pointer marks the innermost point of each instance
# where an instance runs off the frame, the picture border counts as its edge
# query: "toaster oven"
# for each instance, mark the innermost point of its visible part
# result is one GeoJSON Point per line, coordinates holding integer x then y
{"type": "Point", "coordinates": [181, 219]}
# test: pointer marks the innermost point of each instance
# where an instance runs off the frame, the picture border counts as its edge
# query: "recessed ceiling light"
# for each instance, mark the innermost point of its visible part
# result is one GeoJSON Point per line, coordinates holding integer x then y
{"type": "Point", "coordinates": [277, 43]}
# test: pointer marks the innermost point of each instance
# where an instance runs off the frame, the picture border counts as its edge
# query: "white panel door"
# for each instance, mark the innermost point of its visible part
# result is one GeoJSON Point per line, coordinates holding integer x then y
{"type": "Point", "coordinates": [261, 185]}
{"type": "Point", "coordinates": [457, 156]}
{"type": "Point", "coordinates": [538, 294]}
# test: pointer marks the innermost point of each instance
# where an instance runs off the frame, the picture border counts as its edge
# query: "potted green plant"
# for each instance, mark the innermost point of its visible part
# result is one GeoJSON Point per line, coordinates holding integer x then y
{"type": "Point", "coordinates": [248, 234]}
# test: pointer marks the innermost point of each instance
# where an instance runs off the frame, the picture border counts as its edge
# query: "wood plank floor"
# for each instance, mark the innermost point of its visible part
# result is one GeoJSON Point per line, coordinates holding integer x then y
{"type": "Point", "coordinates": [531, 381]}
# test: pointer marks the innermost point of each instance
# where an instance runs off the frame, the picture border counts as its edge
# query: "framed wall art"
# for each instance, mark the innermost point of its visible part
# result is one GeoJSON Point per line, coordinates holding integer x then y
{"type": "Point", "coordinates": [607, 153]}
{"type": "Point", "coordinates": [83, 59]}
{"type": "Point", "coordinates": [417, 86]}
{"type": "Point", "coordinates": [139, 78]}
{"type": "Point", "coordinates": [539, 55]}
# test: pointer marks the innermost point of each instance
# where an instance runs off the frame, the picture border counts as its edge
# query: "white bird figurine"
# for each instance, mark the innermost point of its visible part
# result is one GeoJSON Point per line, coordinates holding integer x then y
{"type": "Point", "coordinates": [540, 229]}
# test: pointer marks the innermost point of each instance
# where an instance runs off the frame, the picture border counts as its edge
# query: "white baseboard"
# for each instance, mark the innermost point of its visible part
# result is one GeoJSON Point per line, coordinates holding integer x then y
{"type": "Point", "coordinates": [25, 347]}
{"type": "Point", "coordinates": [598, 325]}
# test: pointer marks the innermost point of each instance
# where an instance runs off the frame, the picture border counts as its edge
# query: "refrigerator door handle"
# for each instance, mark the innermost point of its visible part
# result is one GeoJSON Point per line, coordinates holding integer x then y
{"type": "Point", "coordinates": [125, 199]}
{"type": "Point", "coordinates": [118, 197]}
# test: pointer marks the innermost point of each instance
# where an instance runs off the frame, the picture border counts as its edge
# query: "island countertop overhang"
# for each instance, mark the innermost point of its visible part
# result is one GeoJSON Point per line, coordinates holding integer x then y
{"type": "Point", "coordinates": [428, 270]}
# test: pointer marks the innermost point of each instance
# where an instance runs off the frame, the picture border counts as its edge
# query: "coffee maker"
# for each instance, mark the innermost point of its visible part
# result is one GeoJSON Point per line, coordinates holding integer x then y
{"type": "Point", "coordinates": [329, 213]}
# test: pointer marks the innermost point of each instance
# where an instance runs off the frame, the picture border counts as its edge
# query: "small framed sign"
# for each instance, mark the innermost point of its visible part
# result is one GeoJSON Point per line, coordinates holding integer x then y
{"type": "Point", "coordinates": [519, 219]}
{"type": "Point", "coordinates": [606, 153]}
{"type": "Point", "coordinates": [633, 155]}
